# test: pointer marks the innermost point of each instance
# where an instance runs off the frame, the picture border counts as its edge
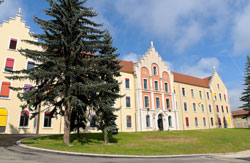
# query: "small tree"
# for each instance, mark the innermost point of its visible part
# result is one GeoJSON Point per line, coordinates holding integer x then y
{"type": "Point", "coordinates": [103, 101]}
{"type": "Point", "coordinates": [246, 93]}
{"type": "Point", "coordinates": [64, 75]}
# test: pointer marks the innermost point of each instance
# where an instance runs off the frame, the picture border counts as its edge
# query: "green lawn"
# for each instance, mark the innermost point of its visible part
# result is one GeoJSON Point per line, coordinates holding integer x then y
{"type": "Point", "coordinates": [153, 143]}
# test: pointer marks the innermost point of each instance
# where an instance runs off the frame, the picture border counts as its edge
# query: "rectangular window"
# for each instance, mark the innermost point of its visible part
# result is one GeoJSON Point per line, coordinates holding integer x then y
{"type": "Point", "coordinates": [129, 123]}
{"type": "Point", "coordinates": [204, 122]}
{"type": "Point", "coordinates": [127, 83]}
{"type": "Point", "coordinates": [166, 87]}
{"type": "Point", "coordinates": [215, 97]}
{"type": "Point", "coordinates": [217, 108]}
{"type": "Point", "coordinates": [5, 90]}
{"type": "Point", "coordinates": [212, 121]}
{"type": "Point", "coordinates": [196, 122]}
{"type": "Point", "coordinates": [227, 109]}
{"type": "Point", "coordinates": [128, 102]}
{"type": "Point", "coordinates": [210, 108]}
{"type": "Point", "coordinates": [220, 96]}
{"type": "Point", "coordinates": [168, 103]}
{"type": "Point", "coordinates": [187, 122]}
{"type": "Point", "coordinates": [202, 108]}
{"type": "Point", "coordinates": [225, 97]}
{"type": "Point", "coordinates": [200, 94]}
{"type": "Point", "coordinates": [222, 108]}
{"type": "Point", "coordinates": [30, 65]}
{"type": "Point", "coordinates": [194, 107]}
{"type": "Point", "coordinates": [185, 106]}
{"type": "Point", "coordinates": [13, 44]}
{"type": "Point", "coordinates": [157, 99]}
{"type": "Point", "coordinates": [145, 83]}
{"type": "Point", "coordinates": [174, 90]}
{"type": "Point", "coordinates": [27, 87]}
{"type": "Point", "coordinates": [47, 119]}
{"type": "Point", "coordinates": [218, 85]}
{"type": "Point", "coordinates": [9, 64]}
{"type": "Point", "coordinates": [24, 119]}
{"type": "Point", "coordinates": [146, 101]}
{"type": "Point", "coordinates": [208, 95]}
{"type": "Point", "coordinates": [156, 86]}
{"type": "Point", "coordinates": [192, 93]}
{"type": "Point", "coordinates": [183, 92]}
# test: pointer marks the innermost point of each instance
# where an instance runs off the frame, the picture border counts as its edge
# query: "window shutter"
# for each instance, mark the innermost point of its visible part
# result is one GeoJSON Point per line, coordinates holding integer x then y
{"type": "Point", "coordinates": [5, 91]}
{"type": "Point", "coordinates": [9, 63]}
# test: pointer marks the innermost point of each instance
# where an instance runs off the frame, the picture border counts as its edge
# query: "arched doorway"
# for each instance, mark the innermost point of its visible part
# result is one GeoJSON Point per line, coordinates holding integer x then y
{"type": "Point", "coordinates": [160, 122]}
{"type": "Point", "coordinates": [3, 119]}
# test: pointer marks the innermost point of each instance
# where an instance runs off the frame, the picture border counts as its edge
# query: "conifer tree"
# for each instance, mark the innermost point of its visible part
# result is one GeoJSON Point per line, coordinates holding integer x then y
{"type": "Point", "coordinates": [103, 102]}
{"type": "Point", "coordinates": [65, 75]}
{"type": "Point", "coordinates": [246, 93]}
{"type": "Point", "coordinates": [1, 1]}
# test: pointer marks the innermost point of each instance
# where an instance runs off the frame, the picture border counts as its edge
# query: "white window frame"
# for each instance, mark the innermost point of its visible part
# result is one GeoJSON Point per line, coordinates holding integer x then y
{"type": "Point", "coordinates": [44, 120]}
{"type": "Point", "coordinates": [145, 101]}
{"type": "Point", "coordinates": [130, 121]}
{"type": "Point", "coordinates": [16, 44]}
{"type": "Point", "coordinates": [194, 107]}
{"type": "Point", "coordinates": [146, 82]}
{"type": "Point", "coordinates": [184, 106]}
{"type": "Point", "coordinates": [169, 103]}
{"type": "Point", "coordinates": [184, 91]}
{"type": "Point", "coordinates": [5, 63]}
{"type": "Point", "coordinates": [200, 94]}
{"type": "Point", "coordinates": [129, 101]}
{"type": "Point", "coordinates": [165, 87]}
{"type": "Point", "coordinates": [159, 102]}
{"type": "Point", "coordinates": [157, 85]}
{"type": "Point", "coordinates": [1, 83]}
{"type": "Point", "coordinates": [127, 79]}
{"type": "Point", "coordinates": [25, 127]}
{"type": "Point", "coordinates": [192, 95]}
{"type": "Point", "coordinates": [155, 71]}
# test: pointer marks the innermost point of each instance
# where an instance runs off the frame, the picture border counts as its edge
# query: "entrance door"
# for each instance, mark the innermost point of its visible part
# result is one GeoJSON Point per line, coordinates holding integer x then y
{"type": "Point", "coordinates": [160, 122]}
{"type": "Point", "coordinates": [3, 119]}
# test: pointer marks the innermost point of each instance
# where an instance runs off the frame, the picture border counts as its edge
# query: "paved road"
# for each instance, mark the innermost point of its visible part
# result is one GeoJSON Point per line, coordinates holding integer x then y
{"type": "Point", "coordinates": [11, 153]}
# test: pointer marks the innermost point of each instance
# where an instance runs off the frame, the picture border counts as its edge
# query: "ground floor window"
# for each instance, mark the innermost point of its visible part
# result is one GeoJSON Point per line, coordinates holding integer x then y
{"type": "Point", "coordinates": [148, 121]}
{"type": "Point", "coordinates": [196, 122]}
{"type": "Point", "coordinates": [47, 120]}
{"type": "Point", "coordinates": [212, 121]}
{"type": "Point", "coordinates": [170, 121]}
{"type": "Point", "coordinates": [204, 122]}
{"type": "Point", "coordinates": [129, 123]}
{"type": "Point", "coordinates": [187, 122]}
{"type": "Point", "coordinates": [24, 119]}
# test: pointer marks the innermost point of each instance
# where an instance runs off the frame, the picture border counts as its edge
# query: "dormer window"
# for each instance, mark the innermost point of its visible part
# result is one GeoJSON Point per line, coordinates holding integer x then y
{"type": "Point", "coordinates": [155, 70]}
{"type": "Point", "coordinates": [13, 44]}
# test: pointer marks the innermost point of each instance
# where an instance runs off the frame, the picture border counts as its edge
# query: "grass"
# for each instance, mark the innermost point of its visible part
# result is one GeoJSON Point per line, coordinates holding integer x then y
{"type": "Point", "coordinates": [152, 143]}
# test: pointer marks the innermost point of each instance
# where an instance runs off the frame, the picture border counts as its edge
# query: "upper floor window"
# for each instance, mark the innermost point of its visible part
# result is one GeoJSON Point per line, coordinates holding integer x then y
{"type": "Point", "coordinates": [202, 108]}
{"type": "Point", "coordinates": [155, 70]}
{"type": "Point", "coordinates": [47, 120]}
{"type": "Point", "coordinates": [158, 105]}
{"type": "Point", "coordinates": [127, 83]}
{"type": "Point", "coordinates": [200, 94]}
{"type": "Point", "coordinates": [168, 103]}
{"type": "Point", "coordinates": [192, 93]}
{"type": "Point", "coordinates": [145, 83]}
{"type": "Point", "coordinates": [166, 87]}
{"type": "Point", "coordinates": [208, 95]}
{"type": "Point", "coordinates": [174, 90]}
{"type": "Point", "coordinates": [156, 86]}
{"type": "Point", "coordinates": [146, 101]}
{"type": "Point", "coordinates": [222, 108]}
{"type": "Point", "coordinates": [227, 109]}
{"type": "Point", "coordinates": [24, 119]}
{"type": "Point", "coordinates": [196, 122]}
{"type": "Point", "coordinates": [30, 65]}
{"type": "Point", "coordinates": [183, 92]}
{"type": "Point", "coordinates": [27, 87]}
{"type": "Point", "coordinates": [215, 97]}
{"type": "Point", "coordinates": [13, 44]}
{"type": "Point", "coordinates": [194, 107]}
{"type": "Point", "coordinates": [220, 95]}
{"type": "Point", "coordinates": [9, 64]}
{"type": "Point", "coordinates": [185, 106]}
{"type": "Point", "coordinates": [128, 102]}
{"type": "Point", "coordinates": [218, 85]}
{"type": "Point", "coordinates": [217, 108]}
{"type": "Point", "coordinates": [210, 108]}
{"type": "Point", "coordinates": [225, 97]}
{"type": "Point", "coordinates": [5, 90]}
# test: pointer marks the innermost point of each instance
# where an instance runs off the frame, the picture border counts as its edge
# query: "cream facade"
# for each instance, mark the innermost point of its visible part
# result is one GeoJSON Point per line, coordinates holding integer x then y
{"type": "Point", "coordinates": [154, 97]}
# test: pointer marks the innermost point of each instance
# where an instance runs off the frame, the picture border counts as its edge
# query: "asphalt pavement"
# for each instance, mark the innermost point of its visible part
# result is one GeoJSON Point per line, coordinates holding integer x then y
{"type": "Point", "coordinates": [11, 153]}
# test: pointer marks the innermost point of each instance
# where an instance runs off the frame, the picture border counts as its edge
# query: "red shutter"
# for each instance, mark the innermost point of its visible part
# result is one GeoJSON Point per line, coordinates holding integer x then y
{"type": "Point", "coordinates": [9, 63]}
{"type": "Point", "coordinates": [187, 122]}
{"type": "Point", "coordinates": [26, 113]}
{"type": "Point", "coordinates": [128, 115]}
{"type": "Point", "coordinates": [5, 90]}
{"type": "Point", "coordinates": [47, 113]}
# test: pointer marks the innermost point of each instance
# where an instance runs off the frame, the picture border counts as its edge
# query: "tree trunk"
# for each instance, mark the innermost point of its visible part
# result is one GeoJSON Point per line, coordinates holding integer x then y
{"type": "Point", "coordinates": [106, 135]}
{"type": "Point", "coordinates": [66, 137]}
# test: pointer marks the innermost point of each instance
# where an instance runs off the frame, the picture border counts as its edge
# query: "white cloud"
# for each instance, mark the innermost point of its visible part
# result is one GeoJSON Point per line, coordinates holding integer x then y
{"type": "Point", "coordinates": [9, 8]}
{"type": "Point", "coordinates": [202, 69]}
{"type": "Point", "coordinates": [184, 23]}
{"type": "Point", "coordinates": [131, 57]}
{"type": "Point", "coordinates": [241, 32]}
{"type": "Point", "coordinates": [234, 98]}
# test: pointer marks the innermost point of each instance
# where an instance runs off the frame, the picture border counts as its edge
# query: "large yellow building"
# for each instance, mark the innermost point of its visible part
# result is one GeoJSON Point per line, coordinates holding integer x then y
{"type": "Point", "coordinates": [155, 98]}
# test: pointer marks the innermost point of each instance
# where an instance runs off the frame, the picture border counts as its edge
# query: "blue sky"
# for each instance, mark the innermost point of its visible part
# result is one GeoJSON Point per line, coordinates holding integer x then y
{"type": "Point", "coordinates": [192, 36]}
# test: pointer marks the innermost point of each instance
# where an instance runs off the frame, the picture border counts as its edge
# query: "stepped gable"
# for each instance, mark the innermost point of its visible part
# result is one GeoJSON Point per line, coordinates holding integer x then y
{"type": "Point", "coordinates": [186, 79]}
{"type": "Point", "coordinates": [239, 112]}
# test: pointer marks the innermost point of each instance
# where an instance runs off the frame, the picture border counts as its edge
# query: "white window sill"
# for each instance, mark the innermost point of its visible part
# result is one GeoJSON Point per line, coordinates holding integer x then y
{"type": "Point", "coordinates": [47, 127]}
{"type": "Point", "coordinates": [23, 127]}
{"type": "Point", "coordinates": [14, 50]}
{"type": "Point", "coordinates": [3, 98]}
{"type": "Point", "coordinates": [128, 108]}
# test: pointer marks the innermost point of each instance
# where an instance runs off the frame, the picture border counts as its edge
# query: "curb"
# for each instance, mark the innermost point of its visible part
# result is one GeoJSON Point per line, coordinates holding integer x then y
{"type": "Point", "coordinates": [19, 143]}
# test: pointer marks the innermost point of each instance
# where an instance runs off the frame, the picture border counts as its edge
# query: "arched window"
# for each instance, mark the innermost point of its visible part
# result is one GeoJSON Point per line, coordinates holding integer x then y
{"type": "Point", "coordinates": [24, 119]}
{"type": "Point", "coordinates": [155, 70]}
{"type": "Point", "coordinates": [170, 121]}
{"type": "Point", "coordinates": [148, 121]}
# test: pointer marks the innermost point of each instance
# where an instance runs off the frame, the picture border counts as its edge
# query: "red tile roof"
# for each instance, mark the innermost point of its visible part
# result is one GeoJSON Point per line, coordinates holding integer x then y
{"type": "Point", "coordinates": [186, 79]}
{"type": "Point", "coordinates": [239, 112]}
{"type": "Point", "coordinates": [128, 66]}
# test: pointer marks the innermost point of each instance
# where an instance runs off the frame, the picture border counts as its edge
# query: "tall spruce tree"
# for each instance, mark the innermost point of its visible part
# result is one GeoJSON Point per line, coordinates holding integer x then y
{"type": "Point", "coordinates": [246, 93]}
{"type": "Point", "coordinates": [65, 75]}
{"type": "Point", "coordinates": [103, 102]}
